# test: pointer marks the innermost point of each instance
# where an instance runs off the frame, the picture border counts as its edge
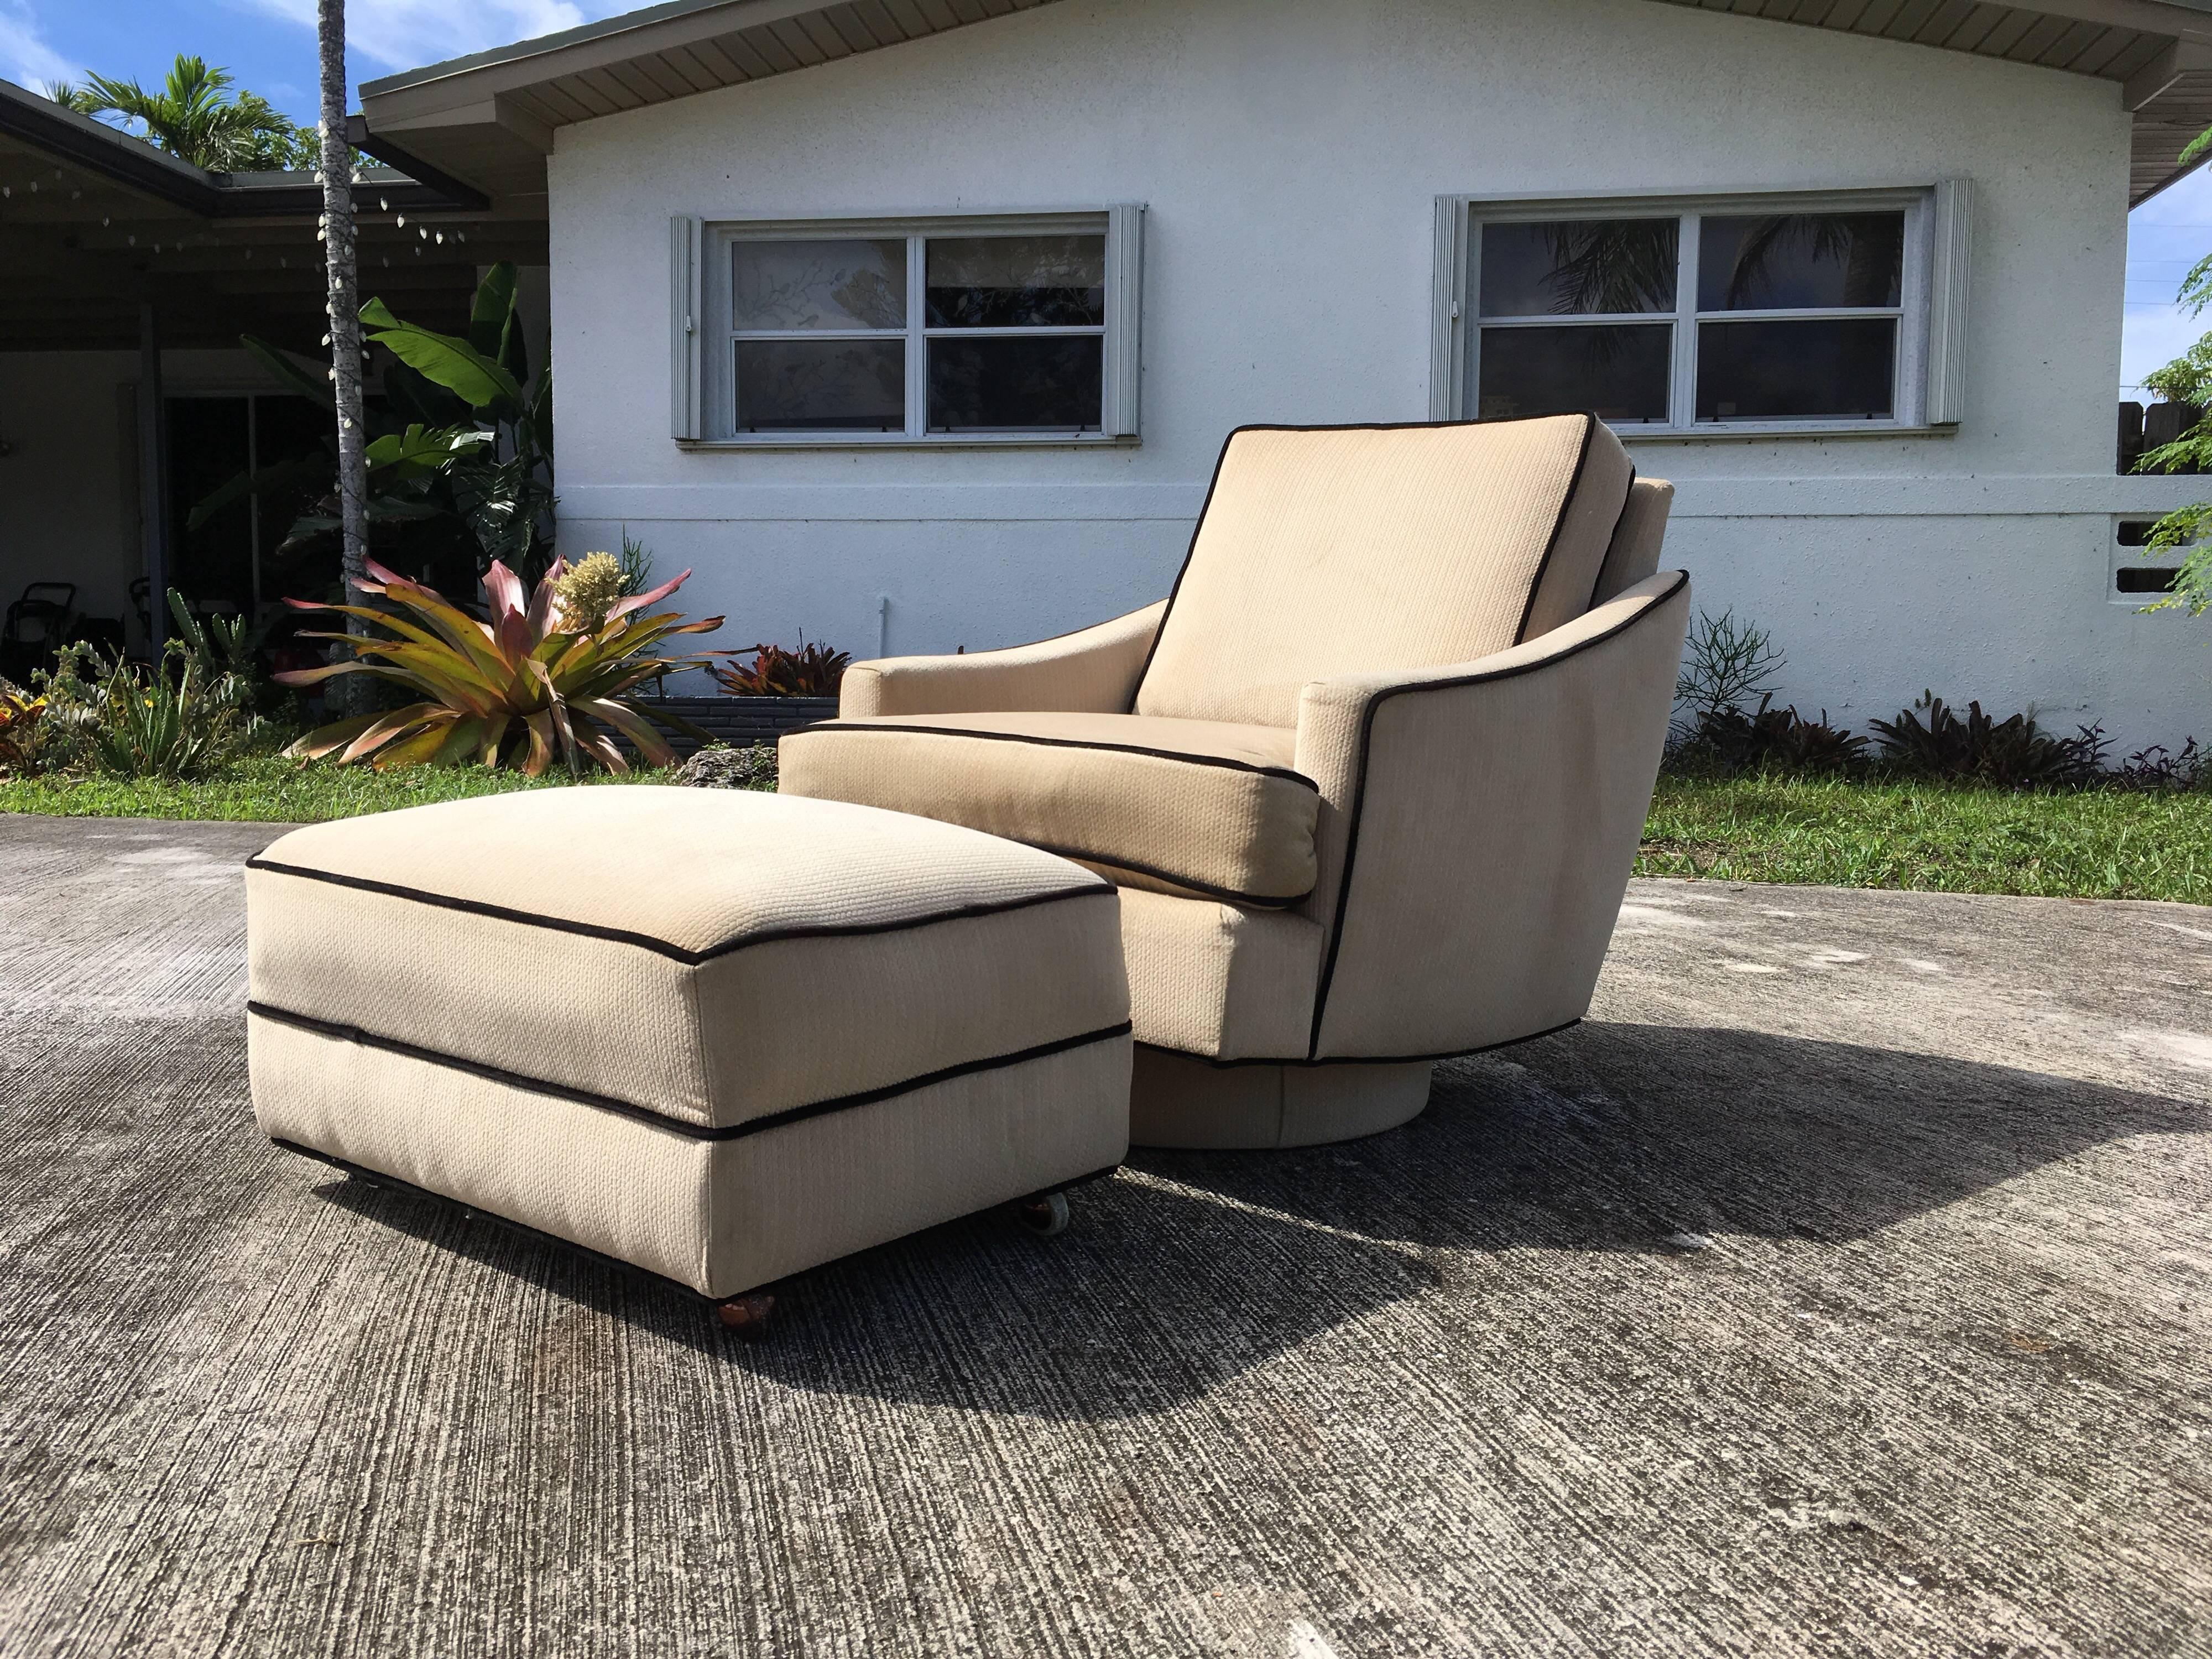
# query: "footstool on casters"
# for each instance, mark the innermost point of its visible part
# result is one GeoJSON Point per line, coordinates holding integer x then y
{"type": "Point", "coordinates": [721, 1035]}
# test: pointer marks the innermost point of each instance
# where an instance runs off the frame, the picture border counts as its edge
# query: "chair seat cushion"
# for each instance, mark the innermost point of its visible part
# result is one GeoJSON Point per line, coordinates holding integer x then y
{"type": "Point", "coordinates": [1191, 807]}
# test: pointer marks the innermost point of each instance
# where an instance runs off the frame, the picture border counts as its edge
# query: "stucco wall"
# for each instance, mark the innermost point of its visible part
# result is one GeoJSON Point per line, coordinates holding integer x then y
{"type": "Point", "coordinates": [1289, 152]}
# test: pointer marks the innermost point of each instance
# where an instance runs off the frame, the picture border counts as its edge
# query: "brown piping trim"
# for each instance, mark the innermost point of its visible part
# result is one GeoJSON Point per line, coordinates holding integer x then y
{"type": "Point", "coordinates": [378, 1178]}
{"type": "Point", "coordinates": [645, 1114]}
{"type": "Point", "coordinates": [1226, 894]}
{"type": "Point", "coordinates": [660, 947]}
{"type": "Point", "coordinates": [1222, 460]}
{"type": "Point", "coordinates": [1614, 540]}
{"type": "Point", "coordinates": [1365, 1060]}
{"type": "Point", "coordinates": [1282, 772]}
{"type": "Point", "coordinates": [1367, 737]}
{"type": "Point", "coordinates": [1559, 529]}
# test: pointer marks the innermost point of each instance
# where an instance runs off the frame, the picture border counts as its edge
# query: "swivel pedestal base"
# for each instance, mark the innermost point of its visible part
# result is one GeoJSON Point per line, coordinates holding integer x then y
{"type": "Point", "coordinates": [1178, 1101]}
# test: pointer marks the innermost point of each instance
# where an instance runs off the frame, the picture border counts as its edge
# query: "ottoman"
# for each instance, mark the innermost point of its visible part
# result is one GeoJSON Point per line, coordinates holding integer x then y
{"type": "Point", "coordinates": [722, 1036]}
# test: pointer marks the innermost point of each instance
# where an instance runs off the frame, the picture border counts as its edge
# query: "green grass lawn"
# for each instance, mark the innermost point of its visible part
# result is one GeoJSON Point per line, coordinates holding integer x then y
{"type": "Point", "coordinates": [2095, 843]}
{"type": "Point", "coordinates": [270, 790]}
{"type": "Point", "coordinates": [1836, 833]}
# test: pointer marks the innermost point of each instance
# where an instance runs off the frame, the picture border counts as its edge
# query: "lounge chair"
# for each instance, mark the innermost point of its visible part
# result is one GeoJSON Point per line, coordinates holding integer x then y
{"type": "Point", "coordinates": [1370, 779]}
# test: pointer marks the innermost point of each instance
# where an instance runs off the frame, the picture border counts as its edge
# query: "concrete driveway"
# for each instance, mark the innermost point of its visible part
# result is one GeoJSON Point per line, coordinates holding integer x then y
{"type": "Point", "coordinates": [1841, 1285]}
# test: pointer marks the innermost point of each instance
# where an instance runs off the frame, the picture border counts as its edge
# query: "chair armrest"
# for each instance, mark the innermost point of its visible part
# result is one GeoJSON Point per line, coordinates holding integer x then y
{"type": "Point", "coordinates": [1480, 821]}
{"type": "Point", "coordinates": [1094, 671]}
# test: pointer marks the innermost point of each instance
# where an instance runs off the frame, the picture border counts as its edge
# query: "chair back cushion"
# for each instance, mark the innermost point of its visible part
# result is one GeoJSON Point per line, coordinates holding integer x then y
{"type": "Point", "coordinates": [1327, 550]}
{"type": "Point", "coordinates": [1634, 554]}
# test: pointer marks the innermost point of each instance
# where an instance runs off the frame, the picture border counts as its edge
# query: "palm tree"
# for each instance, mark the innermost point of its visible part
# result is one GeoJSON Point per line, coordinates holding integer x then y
{"type": "Point", "coordinates": [69, 97]}
{"type": "Point", "coordinates": [336, 172]}
{"type": "Point", "coordinates": [191, 118]}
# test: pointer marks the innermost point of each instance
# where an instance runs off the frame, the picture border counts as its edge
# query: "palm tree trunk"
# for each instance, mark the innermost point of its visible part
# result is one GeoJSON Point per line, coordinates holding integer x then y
{"type": "Point", "coordinates": [345, 325]}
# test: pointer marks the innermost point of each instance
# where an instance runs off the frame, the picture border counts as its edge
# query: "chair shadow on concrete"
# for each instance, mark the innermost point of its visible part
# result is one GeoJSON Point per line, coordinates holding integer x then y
{"type": "Point", "coordinates": [1153, 1297]}
{"type": "Point", "coordinates": [1192, 1268]}
{"type": "Point", "coordinates": [1613, 1136]}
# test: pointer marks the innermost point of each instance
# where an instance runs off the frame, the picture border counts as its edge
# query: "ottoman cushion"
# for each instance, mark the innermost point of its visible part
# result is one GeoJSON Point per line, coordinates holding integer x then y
{"type": "Point", "coordinates": [721, 1034]}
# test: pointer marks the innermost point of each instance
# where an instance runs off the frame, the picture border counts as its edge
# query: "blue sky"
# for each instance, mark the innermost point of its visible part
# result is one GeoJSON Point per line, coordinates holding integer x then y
{"type": "Point", "coordinates": [269, 45]}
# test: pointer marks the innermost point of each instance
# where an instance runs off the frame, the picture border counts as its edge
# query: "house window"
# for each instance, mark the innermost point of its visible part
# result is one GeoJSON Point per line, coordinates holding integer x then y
{"type": "Point", "coordinates": [948, 330]}
{"type": "Point", "coordinates": [1751, 314]}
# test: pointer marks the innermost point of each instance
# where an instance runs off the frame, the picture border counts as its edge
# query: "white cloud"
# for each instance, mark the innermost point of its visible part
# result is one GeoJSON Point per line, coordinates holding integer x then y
{"type": "Point", "coordinates": [400, 34]}
{"type": "Point", "coordinates": [25, 58]}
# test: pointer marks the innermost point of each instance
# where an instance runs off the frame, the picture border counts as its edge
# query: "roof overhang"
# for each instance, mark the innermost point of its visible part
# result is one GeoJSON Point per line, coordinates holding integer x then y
{"type": "Point", "coordinates": [95, 225]}
{"type": "Point", "coordinates": [487, 121]}
{"type": "Point", "coordinates": [2160, 52]}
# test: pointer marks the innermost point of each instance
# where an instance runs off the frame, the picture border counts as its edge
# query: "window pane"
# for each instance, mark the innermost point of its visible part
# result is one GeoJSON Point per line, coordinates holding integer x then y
{"type": "Point", "coordinates": [1620, 372]}
{"type": "Point", "coordinates": [1834, 368]}
{"type": "Point", "coordinates": [1578, 266]}
{"type": "Point", "coordinates": [1016, 383]}
{"type": "Point", "coordinates": [1016, 282]}
{"type": "Point", "coordinates": [1800, 260]}
{"type": "Point", "coordinates": [780, 285]}
{"type": "Point", "coordinates": [821, 385]}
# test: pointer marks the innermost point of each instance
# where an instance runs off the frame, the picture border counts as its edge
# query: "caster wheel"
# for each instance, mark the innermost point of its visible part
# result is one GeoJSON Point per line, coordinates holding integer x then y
{"type": "Point", "coordinates": [745, 1314]}
{"type": "Point", "coordinates": [1044, 1216]}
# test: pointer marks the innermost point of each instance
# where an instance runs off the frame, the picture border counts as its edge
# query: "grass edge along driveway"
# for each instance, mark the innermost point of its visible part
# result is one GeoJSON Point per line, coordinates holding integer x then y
{"type": "Point", "coordinates": [2090, 843]}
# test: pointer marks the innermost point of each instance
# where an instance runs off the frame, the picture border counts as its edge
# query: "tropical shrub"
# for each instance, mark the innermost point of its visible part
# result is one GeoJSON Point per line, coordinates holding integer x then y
{"type": "Point", "coordinates": [19, 728]}
{"type": "Point", "coordinates": [1731, 740]}
{"type": "Point", "coordinates": [1725, 663]}
{"type": "Point", "coordinates": [457, 441]}
{"type": "Point", "coordinates": [135, 722]}
{"type": "Point", "coordinates": [812, 671]}
{"type": "Point", "coordinates": [2159, 769]}
{"type": "Point", "coordinates": [2007, 754]}
{"type": "Point", "coordinates": [532, 683]}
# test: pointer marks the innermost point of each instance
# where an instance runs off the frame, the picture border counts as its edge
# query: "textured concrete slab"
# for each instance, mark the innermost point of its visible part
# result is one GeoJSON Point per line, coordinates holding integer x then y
{"type": "Point", "coordinates": [1839, 1286]}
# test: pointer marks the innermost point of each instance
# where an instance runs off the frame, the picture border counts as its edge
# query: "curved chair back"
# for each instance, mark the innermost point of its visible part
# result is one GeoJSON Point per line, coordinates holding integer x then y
{"type": "Point", "coordinates": [1331, 550]}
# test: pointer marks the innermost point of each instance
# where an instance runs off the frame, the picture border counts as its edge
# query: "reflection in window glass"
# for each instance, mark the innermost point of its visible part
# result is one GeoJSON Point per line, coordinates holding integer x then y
{"type": "Point", "coordinates": [825, 285]}
{"type": "Point", "coordinates": [1826, 369]}
{"type": "Point", "coordinates": [1016, 282]}
{"type": "Point", "coordinates": [1619, 373]}
{"type": "Point", "coordinates": [1799, 261]}
{"type": "Point", "coordinates": [1579, 267]}
{"type": "Point", "coordinates": [1008, 383]}
{"type": "Point", "coordinates": [821, 385]}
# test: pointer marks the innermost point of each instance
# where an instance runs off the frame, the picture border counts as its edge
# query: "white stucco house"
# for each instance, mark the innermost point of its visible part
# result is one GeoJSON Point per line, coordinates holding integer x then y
{"type": "Point", "coordinates": [918, 323]}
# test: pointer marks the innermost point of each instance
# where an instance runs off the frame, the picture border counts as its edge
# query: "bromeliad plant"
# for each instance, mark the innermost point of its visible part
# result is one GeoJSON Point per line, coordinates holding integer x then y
{"type": "Point", "coordinates": [812, 671]}
{"type": "Point", "coordinates": [534, 682]}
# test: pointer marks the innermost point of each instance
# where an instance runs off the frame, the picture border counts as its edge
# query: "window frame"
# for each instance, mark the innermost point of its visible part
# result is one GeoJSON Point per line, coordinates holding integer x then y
{"type": "Point", "coordinates": [1927, 370]}
{"type": "Point", "coordinates": [703, 379]}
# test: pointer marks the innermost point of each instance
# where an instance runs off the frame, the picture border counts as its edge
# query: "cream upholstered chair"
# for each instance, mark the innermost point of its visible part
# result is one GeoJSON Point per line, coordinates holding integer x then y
{"type": "Point", "coordinates": [1370, 778]}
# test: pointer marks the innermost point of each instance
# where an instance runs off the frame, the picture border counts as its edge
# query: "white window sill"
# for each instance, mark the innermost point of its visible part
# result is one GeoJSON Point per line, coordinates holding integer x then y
{"type": "Point", "coordinates": [1754, 431]}
{"type": "Point", "coordinates": [907, 440]}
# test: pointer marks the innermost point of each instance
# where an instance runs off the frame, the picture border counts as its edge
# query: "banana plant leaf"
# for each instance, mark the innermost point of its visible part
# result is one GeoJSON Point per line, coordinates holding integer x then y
{"type": "Point", "coordinates": [279, 363]}
{"type": "Point", "coordinates": [453, 364]}
{"type": "Point", "coordinates": [420, 452]}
